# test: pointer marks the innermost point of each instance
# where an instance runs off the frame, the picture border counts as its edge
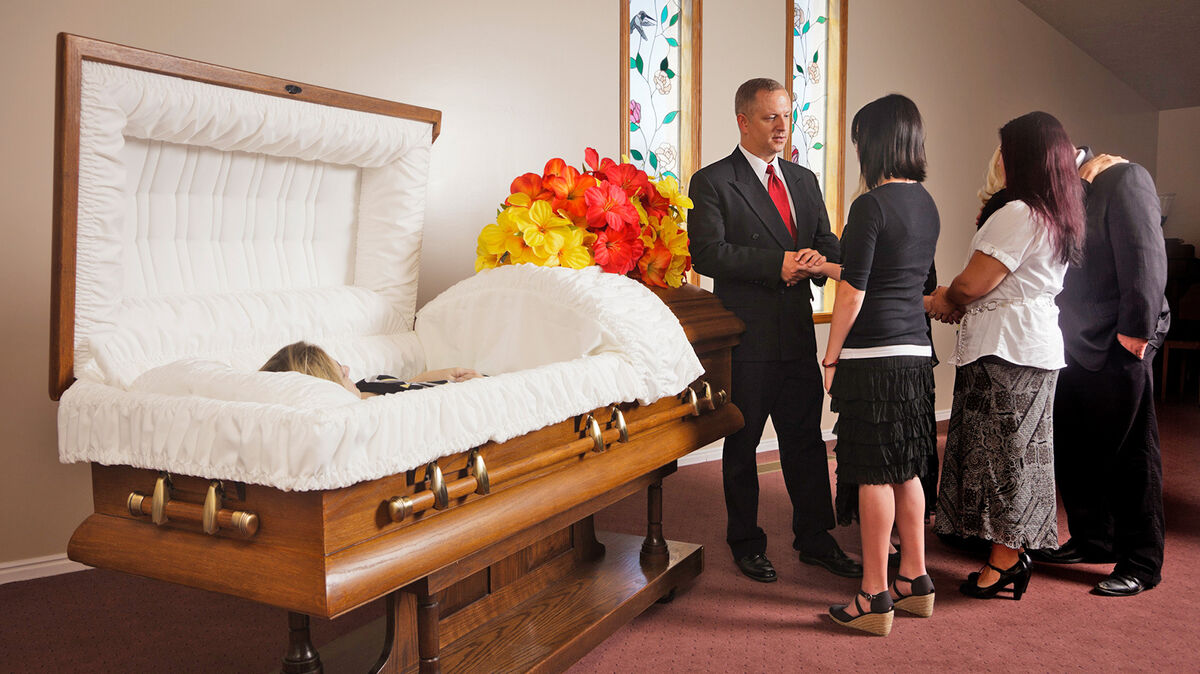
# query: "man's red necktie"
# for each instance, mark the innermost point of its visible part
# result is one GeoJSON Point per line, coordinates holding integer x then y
{"type": "Point", "coordinates": [779, 196]}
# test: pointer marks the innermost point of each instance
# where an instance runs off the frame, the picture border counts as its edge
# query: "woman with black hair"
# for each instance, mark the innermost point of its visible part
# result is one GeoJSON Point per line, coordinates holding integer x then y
{"type": "Point", "coordinates": [998, 471]}
{"type": "Point", "coordinates": [878, 366]}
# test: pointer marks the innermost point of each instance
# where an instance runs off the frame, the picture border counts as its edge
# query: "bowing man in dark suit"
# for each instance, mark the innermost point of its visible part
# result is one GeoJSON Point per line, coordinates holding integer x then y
{"type": "Point", "coordinates": [760, 230]}
{"type": "Point", "coordinates": [1114, 317]}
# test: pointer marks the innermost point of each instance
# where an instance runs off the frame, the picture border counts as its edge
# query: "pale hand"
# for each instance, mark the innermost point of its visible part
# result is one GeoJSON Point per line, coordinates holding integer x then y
{"type": "Point", "coordinates": [452, 374]}
{"type": "Point", "coordinates": [829, 372]}
{"type": "Point", "coordinates": [1098, 164]}
{"type": "Point", "coordinates": [1133, 345]}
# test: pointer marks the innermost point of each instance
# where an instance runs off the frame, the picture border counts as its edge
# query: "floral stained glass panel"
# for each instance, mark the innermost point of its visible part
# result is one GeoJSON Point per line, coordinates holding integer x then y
{"type": "Point", "coordinates": [654, 86]}
{"type": "Point", "coordinates": [810, 86]}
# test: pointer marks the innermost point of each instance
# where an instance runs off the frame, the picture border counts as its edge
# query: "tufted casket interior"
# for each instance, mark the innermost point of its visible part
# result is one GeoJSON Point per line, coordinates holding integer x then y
{"type": "Point", "coordinates": [216, 225]}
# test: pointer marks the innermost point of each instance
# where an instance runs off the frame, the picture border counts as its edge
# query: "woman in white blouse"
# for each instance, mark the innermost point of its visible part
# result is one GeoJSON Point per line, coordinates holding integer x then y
{"type": "Point", "coordinates": [998, 473]}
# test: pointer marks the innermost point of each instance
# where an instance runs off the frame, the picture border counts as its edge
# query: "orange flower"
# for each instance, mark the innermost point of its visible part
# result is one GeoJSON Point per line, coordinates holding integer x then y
{"type": "Point", "coordinates": [569, 187]}
{"type": "Point", "coordinates": [657, 205]}
{"type": "Point", "coordinates": [608, 206]}
{"type": "Point", "coordinates": [654, 265]}
{"type": "Point", "coordinates": [617, 251]}
{"type": "Point", "coordinates": [527, 189]}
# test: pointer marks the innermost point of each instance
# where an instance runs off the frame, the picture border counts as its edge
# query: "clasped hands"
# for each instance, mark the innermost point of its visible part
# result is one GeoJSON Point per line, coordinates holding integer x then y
{"type": "Point", "coordinates": [939, 308]}
{"type": "Point", "coordinates": [800, 264]}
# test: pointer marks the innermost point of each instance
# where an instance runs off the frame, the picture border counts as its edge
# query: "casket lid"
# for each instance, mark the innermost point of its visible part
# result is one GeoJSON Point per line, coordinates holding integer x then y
{"type": "Point", "coordinates": [368, 146]}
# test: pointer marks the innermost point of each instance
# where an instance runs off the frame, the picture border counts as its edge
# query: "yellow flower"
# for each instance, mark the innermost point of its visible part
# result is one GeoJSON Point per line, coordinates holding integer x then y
{"type": "Point", "coordinates": [574, 253]}
{"type": "Point", "coordinates": [668, 186]}
{"type": "Point", "coordinates": [541, 228]}
{"type": "Point", "coordinates": [503, 237]}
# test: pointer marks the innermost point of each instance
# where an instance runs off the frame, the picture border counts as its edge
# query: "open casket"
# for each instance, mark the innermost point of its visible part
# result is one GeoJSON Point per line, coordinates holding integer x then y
{"type": "Point", "coordinates": [204, 218]}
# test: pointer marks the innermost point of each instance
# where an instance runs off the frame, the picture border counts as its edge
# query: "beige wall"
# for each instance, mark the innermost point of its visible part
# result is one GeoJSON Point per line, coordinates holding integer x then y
{"type": "Point", "coordinates": [518, 82]}
{"type": "Point", "coordinates": [1179, 171]}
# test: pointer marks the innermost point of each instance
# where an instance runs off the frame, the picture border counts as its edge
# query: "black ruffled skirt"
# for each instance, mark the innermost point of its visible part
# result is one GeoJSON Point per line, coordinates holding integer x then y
{"type": "Point", "coordinates": [886, 432]}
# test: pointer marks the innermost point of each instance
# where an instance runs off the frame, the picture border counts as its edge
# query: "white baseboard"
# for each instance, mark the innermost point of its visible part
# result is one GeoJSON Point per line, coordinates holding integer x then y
{"type": "Point", "coordinates": [713, 452]}
{"type": "Point", "coordinates": [38, 567]}
{"type": "Point", "coordinates": [53, 565]}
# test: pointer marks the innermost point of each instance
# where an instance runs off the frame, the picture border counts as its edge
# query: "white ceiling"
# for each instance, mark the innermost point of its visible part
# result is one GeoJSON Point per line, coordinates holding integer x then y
{"type": "Point", "coordinates": [1151, 45]}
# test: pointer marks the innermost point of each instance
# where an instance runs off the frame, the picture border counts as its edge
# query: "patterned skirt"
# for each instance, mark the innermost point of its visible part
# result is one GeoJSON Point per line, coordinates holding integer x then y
{"type": "Point", "coordinates": [998, 471]}
{"type": "Point", "coordinates": [886, 433]}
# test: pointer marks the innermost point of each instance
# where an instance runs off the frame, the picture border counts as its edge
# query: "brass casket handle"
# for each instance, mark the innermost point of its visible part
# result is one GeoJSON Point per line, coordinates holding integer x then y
{"type": "Point", "coordinates": [478, 468]}
{"type": "Point", "coordinates": [617, 420]}
{"type": "Point", "coordinates": [593, 431]}
{"type": "Point", "coordinates": [211, 516]}
{"type": "Point", "coordinates": [437, 485]}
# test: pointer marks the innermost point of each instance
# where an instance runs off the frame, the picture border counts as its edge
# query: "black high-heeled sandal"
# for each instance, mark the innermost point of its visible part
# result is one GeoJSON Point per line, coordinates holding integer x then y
{"type": "Point", "coordinates": [877, 621]}
{"type": "Point", "coordinates": [1017, 576]}
{"type": "Point", "coordinates": [920, 602]}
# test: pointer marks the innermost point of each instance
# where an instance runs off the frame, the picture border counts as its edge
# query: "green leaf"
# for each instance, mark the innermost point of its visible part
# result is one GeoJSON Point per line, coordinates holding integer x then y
{"type": "Point", "coordinates": [815, 54]}
{"type": "Point", "coordinates": [653, 161]}
{"type": "Point", "coordinates": [639, 63]}
{"type": "Point", "coordinates": [669, 173]}
{"type": "Point", "coordinates": [799, 69]}
{"type": "Point", "coordinates": [664, 65]}
{"type": "Point", "coordinates": [670, 117]}
{"type": "Point", "coordinates": [821, 19]}
{"type": "Point", "coordinates": [633, 127]}
{"type": "Point", "coordinates": [795, 32]}
{"type": "Point", "coordinates": [805, 108]}
{"type": "Point", "coordinates": [635, 154]}
{"type": "Point", "coordinates": [795, 115]}
{"type": "Point", "coordinates": [664, 14]}
{"type": "Point", "coordinates": [632, 63]}
{"type": "Point", "coordinates": [674, 19]}
{"type": "Point", "coordinates": [672, 41]}
{"type": "Point", "coordinates": [670, 74]}
{"type": "Point", "coordinates": [817, 146]}
{"type": "Point", "coordinates": [807, 25]}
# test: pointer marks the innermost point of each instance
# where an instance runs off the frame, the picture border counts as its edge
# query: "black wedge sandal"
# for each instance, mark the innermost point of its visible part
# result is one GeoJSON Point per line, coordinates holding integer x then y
{"type": "Point", "coordinates": [920, 602]}
{"type": "Point", "coordinates": [877, 621]}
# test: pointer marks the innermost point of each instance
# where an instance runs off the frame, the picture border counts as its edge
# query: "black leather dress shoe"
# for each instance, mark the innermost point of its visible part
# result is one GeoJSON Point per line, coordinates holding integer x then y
{"type": "Point", "coordinates": [757, 567]}
{"type": "Point", "coordinates": [1072, 553]}
{"type": "Point", "coordinates": [1120, 585]}
{"type": "Point", "coordinates": [835, 562]}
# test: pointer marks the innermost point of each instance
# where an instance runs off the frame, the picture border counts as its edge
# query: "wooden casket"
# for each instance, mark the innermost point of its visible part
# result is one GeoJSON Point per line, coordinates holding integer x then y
{"type": "Point", "coordinates": [207, 216]}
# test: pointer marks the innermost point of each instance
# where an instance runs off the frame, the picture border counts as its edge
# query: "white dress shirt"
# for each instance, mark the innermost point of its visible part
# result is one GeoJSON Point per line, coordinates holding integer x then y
{"type": "Point", "coordinates": [1018, 319]}
{"type": "Point", "coordinates": [760, 169]}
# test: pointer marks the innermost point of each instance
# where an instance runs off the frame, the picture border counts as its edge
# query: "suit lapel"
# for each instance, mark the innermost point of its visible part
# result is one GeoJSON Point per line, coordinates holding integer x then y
{"type": "Point", "coordinates": [752, 190]}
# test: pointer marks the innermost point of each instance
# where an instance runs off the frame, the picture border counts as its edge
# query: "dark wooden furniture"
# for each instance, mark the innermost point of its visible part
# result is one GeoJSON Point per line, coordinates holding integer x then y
{"type": "Point", "coordinates": [488, 558]}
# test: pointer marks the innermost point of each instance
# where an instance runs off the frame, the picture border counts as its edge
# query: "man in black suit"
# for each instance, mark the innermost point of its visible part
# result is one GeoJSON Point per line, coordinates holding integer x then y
{"type": "Point", "coordinates": [760, 230]}
{"type": "Point", "coordinates": [1114, 317]}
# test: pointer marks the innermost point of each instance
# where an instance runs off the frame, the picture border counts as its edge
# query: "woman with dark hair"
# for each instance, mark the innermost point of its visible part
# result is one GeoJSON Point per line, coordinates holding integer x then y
{"type": "Point", "coordinates": [998, 470]}
{"type": "Point", "coordinates": [878, 366]}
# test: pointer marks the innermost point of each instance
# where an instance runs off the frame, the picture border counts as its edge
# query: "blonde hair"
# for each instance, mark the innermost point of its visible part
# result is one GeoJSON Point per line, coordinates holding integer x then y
{"type": "Point", "coordinates": [994, 180]}
{"type": "Point", "coordinates": [305, 358]}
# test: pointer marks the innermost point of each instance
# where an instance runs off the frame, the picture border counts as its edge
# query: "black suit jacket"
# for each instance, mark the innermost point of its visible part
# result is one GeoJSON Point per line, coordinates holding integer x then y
{"type": "Point", "coordinates": [1119, 287]}
{"type": "Point", "coordinates": [738, 238]}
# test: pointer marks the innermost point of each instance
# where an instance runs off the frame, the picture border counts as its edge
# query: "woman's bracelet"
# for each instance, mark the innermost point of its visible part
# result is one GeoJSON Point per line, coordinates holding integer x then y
{"type": "Point", "coordinates": [829, 365]}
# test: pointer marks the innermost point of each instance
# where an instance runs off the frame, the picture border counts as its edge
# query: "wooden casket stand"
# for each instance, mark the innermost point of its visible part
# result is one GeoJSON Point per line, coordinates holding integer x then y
{"type": "Point", "coordinates": [488, 559]}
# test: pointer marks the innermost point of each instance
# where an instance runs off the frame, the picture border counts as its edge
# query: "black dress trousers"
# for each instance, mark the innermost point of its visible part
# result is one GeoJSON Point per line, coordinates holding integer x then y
{"type": "Point", "coordinates": [1107, 461]}
{"type": "Point", "coordinates": [791, 393]}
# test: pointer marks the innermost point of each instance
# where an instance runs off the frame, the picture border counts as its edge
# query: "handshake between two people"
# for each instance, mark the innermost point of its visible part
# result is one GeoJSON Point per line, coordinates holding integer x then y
{"type": "Point", "coordinates": [806, 263]}
{"type": "Point", "coordinates": [940, 308]}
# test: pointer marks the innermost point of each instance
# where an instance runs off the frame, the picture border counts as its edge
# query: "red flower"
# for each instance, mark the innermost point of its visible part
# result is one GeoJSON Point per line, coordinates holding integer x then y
{"type": "Point", "coordinates": [569, 188]}
{"type": "Point", "coordinates": [654, 265]}
{"type": "Point", "coordinates": [617, 252]}
{"type": "Point", "coordinates": [530, 185]}
{"type": "Point", "coordinates": [607, 206]}
{"type": "Point", "coordinates": [633, 181]}
{"type": "Point", "coordinates": [656, 205]}
{"type": "Point", "coordinates": [593, 161]}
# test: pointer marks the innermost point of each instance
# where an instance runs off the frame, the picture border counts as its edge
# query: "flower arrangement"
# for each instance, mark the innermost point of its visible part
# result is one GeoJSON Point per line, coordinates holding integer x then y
{"type": "Point", "coordinates": [611, 215]}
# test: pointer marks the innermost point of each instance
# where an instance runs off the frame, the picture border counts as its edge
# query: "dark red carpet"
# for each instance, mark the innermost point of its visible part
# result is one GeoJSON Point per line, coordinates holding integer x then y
{"type": "Point", "coordinates": [100, 621]}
